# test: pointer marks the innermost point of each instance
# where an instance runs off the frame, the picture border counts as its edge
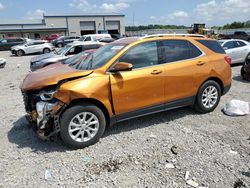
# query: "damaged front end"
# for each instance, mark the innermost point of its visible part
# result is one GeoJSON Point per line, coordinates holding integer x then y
{"type": "Point", "coordinates": [43, 111]}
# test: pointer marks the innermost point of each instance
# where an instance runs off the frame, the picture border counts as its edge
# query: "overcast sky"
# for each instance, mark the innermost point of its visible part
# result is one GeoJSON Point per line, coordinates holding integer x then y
{"type": "Point", "coordinates": [179, 12]}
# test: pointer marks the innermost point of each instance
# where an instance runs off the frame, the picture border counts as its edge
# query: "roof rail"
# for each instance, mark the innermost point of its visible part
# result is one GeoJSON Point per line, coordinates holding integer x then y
{"type": "Point", "coordinates": [172, 35]}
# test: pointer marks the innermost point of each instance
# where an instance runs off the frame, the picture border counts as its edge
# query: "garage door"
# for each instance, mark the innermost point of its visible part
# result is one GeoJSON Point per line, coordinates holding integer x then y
{"type": "Point", "coordinates": [87, 26]}
{"type": "Point", "coordinates": [113, 25]}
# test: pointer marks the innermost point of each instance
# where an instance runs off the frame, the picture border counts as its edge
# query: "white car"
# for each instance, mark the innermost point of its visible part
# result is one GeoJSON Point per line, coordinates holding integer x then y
{"type": "Point", "coordinates": [237, 49]}
{"type": "Point", "coordinates": [31, 47]}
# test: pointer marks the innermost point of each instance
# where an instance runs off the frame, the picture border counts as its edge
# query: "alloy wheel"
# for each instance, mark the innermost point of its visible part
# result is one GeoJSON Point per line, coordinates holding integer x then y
{"type": "Point", "coordinates": [83, 127]}
{"type": "Point", "coordinates": [209, 96]}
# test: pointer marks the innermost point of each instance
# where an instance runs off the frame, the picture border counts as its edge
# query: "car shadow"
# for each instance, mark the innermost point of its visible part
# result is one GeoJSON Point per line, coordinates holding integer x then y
{"type": "Point", "coordinates": [149, 120]}
{"type": "Point", "coordinates": [240, 79]}
{"type": "Point", "coordinates": [24, 136]}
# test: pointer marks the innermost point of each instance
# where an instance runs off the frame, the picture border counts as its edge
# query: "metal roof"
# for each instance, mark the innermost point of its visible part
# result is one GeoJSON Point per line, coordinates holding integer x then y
{"type": "Point", "coordinates": [22, 22]}
{"type": "Point", "coordinates": [84, 15]}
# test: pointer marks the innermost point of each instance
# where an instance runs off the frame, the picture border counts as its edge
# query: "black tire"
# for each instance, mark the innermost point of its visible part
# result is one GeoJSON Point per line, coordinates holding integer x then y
{"type": "Point", "coordinates": [243, 73]}
{"type": "Point", "coordinates": [70, 114]}
{"type": "Point", "coordinates": [46, 50]}
{"type": "Point", "coordinates": [60, 45]}
{"type": "Point", "coordinates": [20, 53]}
{"type": "Point", "coordinates": [199, 105]}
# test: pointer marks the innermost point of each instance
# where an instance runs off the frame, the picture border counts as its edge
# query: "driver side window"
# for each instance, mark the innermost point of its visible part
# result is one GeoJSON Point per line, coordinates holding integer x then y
{"type": "Point", "coordinates": [142, 55]}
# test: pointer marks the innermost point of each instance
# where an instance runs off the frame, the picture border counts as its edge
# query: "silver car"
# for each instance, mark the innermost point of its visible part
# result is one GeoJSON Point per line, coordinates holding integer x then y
{"type": "Point", "coordinates": [31, 47]}
{"type": "Point", "coordinates": [62, 54]}
{"type": "Point", "coordinates": [237, 49]}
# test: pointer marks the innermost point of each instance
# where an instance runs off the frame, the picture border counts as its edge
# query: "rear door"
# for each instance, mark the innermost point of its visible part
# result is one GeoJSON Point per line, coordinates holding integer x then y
{"type": "Point", "coordinates": [242, 50]}
{"type": "Point", "coordinates": [183, 63]}
{"type": "Point", "coordinates": [141, 89]}
{"type": "Point", "coordinates": [232, 51]}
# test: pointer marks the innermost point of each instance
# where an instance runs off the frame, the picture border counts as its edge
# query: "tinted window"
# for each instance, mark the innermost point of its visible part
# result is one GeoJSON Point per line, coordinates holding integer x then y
{"type": "Point", "coordinates": [194, 51]}
{"type": "Point", "coordinates": [239, 44]}
{"type": "Point", "coordinates": [212, 45]}
{"type": "Point", "coordinates": [87, 39]}
{"type": "Point", "coordinates": [229, 45]}
{"type": "Point", "coordinates": [173, 50]}
{"type": "Point", "coordinates": [75, 50]}
{"type": "Point", "coordinates": [142, 55]}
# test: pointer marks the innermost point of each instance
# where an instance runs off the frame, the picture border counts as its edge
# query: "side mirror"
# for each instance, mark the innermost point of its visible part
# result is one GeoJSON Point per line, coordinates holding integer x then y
{"type": "Point", "coordinates": [122, 66]}
{"type": "Point", "coordinates": [225, 48]}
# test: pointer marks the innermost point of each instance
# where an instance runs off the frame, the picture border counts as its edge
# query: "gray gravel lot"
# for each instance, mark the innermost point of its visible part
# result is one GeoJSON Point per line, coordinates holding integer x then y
{"type": "Point", "coordinates": [211, 149]}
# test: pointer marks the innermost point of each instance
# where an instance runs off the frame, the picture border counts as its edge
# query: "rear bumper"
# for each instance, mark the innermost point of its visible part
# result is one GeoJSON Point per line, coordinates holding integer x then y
{"type": "Point", "coordinates": [226, 89]}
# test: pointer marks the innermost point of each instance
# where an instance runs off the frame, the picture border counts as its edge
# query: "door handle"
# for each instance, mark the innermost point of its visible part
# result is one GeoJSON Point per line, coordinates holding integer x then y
{"type": "Point", "coordinates": [156, 72]}
{"type": "Point", "coordinates": [201, 63]}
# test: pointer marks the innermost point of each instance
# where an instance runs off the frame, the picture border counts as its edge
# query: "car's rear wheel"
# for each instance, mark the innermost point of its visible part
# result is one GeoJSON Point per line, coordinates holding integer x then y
{"type": "Point", "coordinates": [60, 45]}
{"type": "Point", "coordinates": [208, 97]}
{"type": "Point", "coordinates": [20, 53]}
{"type": "Point", "coordinates": [243, 73]}
{"type": "Point", "coordinates": [46, 50]}
{"type": "Point", "coordinates": [82, 125]}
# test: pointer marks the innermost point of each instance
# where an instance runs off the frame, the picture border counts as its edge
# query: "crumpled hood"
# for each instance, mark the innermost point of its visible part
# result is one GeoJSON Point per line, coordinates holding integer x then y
{"type": "Point", "coordinates": [45, 56]}
{"type": "Point", "coordinates": [51, 75]}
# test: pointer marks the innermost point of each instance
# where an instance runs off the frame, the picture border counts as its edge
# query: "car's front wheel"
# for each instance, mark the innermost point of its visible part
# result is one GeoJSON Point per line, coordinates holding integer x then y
{"type": "Point", "coordinates": [46, 50]}
{"type": "Point", "coordinates": [20, 53]}
{"type": "Point", "coordinates": [208, 97]}
{"type": "Point", "coordinates": [82, 125]}
{"type": "Point", "coordinates": [60, 45]}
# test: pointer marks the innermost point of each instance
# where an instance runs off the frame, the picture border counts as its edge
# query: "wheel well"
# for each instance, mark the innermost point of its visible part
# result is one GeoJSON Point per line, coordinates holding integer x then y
{"type": "Point", "coordinates": [218, 81]}
{"type": "Point", "coordinates": [94, 102]}
{"type": "Point", "coordinates": [46, 48]}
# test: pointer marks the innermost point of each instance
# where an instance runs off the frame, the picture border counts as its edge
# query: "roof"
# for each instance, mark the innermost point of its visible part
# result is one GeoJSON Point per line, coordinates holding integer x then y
{"type": "Point", "coordinates": [22, 22]}
{"type": "Point", "coordinates": [35, 29]}
{"type": "Point", "coordinates": [83, 15]}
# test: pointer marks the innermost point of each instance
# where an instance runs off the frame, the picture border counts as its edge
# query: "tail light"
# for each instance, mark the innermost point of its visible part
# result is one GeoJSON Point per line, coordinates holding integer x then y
{"type": "Point", "coordinates": [228, 59]}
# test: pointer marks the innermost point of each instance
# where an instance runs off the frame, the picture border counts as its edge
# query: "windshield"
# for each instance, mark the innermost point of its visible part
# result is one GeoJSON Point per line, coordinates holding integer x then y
{"type": "Point", "coordinates": [100, 57]}
{"type": "Point", "coordinates": [63, 50]}
{"type": "Point", "coordinates": [221, 42]}
{"type": "Point", "coordinates": [75, 59]}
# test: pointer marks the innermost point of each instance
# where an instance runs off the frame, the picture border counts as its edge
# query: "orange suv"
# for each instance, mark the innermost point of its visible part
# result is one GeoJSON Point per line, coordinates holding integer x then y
{"type": "Point", "coordinates": [128, 78]}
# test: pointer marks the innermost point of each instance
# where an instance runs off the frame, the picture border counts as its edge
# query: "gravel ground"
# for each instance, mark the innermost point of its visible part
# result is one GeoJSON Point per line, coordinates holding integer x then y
{"type": "Point", "coordinates": [159, 150]}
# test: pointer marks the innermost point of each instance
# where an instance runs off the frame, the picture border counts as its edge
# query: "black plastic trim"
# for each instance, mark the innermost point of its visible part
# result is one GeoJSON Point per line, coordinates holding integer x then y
{"type": "Point", "coordinates": [153, 109]}
{"type": "Point", "coordinates": [226, 89]}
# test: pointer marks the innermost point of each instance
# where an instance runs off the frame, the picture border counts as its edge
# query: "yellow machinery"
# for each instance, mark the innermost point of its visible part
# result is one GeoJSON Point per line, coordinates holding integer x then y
{"type": "Point", "coordinates": [198, 28]}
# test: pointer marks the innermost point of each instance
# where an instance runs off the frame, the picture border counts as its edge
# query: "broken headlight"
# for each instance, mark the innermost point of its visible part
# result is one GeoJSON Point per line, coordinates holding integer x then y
{"type": "Point", "coordinates": [47, 96]}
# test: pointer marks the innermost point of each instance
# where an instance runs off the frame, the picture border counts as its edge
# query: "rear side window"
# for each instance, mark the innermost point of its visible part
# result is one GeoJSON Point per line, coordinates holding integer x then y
{"type": "Point", "coordinates": [239, 44]}
{"type": "Point", "coordinates": [173, 50]}
{"type": "Point", "coordinates": [212, 45]}
{"type": "Point", "coordinates": [194, 51]}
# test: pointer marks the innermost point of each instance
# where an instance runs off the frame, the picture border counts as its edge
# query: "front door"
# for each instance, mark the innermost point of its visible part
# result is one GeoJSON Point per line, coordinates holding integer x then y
{"type": "Point", "coordinates": [142, 88]}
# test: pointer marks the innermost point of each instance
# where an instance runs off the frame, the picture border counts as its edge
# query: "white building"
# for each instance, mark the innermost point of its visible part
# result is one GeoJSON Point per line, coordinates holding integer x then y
{"type": "Point", "coordinates": [67, 24]}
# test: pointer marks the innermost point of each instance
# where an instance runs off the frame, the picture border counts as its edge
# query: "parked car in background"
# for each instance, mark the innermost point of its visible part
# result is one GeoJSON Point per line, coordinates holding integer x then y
{"type": "Point", "coordinates": [31, 47]}
{"type": "Point", "coordinates": [245, 70]}
{"type": "Point", "coordinates": [62, 54]}
{"type": "Point", "coordinates": [237, 35]}
{"type": "Point", "coordinates": [126, 79]}
{"type": "Point", "coordinates": [63, 40]}
{"type": "Point", "coordinates": [237, 49]}
{"type": "Point", "coordinates": [6, 44]}
{"type": "Point", "coordinates": [94, 37]}
{"type": "Point", "coordinates": [51, 37]}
